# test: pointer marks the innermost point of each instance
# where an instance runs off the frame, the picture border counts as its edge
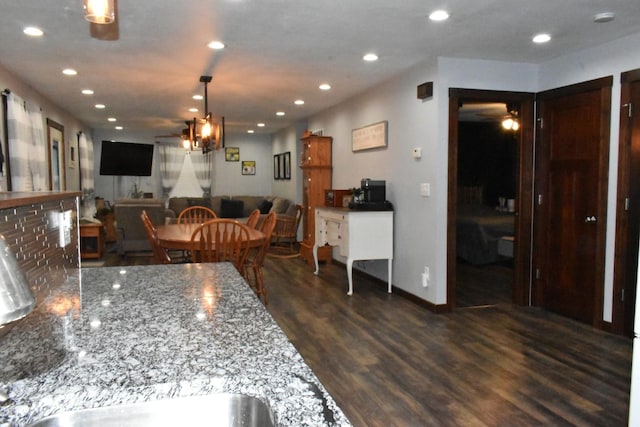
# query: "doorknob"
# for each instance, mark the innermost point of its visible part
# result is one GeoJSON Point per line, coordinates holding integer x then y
{"type": "Point", "coordinates": [591, 218]}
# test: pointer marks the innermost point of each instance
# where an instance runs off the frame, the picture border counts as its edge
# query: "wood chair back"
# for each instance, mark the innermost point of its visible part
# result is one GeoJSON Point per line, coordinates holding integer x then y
{"type": "Point", "coordinates": [254, 218]}
{"type": "Point", "coordinates": [196, 215]}
{"type": "Point", "coordinates": [220, 240]}
{"type": "Point", "coordinates": [285, 233]}
{"type": "Point", "coordinates": [255, 260]}
{"type": "Point", "coordinates": [160, 254]}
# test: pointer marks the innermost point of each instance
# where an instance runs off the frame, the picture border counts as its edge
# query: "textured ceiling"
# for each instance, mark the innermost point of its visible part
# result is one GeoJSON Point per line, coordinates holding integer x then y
{"type": "Point", "coordinates": [277, 51]}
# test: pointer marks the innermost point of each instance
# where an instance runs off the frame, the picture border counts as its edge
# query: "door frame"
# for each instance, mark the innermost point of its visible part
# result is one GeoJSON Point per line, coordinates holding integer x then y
{"type": "Point", "coordinates": [524, 199]}
{"type": "Point", "coordinates": [625, 261]}
{"type": "Point", "coordinates": [604, 85]}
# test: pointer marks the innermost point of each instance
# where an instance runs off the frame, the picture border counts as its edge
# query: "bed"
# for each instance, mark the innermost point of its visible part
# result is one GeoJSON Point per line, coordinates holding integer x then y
{"type": "Point", "coordinates": [479, 228]}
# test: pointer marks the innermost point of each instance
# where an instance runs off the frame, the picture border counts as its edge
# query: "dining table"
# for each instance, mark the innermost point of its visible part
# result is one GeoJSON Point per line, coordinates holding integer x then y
{"type": "Point", "coordinates": [178, 236]}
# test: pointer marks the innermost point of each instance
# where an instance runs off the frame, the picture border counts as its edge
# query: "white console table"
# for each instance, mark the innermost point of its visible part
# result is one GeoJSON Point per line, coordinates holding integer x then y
{"type": "Point", "coordinates": [359, 234]}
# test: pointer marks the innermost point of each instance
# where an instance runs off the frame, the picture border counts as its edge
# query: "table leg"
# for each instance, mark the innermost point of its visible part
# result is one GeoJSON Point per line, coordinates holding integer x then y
{"type": "Point", "coordinates": [389, 278]}
{"type": "Point", "coordinates": [350, 275]}
{"type": "Point", "coordinates": [315, 259]}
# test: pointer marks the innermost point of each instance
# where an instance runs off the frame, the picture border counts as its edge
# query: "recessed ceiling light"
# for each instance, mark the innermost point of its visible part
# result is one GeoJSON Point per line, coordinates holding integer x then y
{"type": "Point", "coordinates": [100, 106]}
{"type": "Point", "coordinates": [604, 17]}
{"type": "Point", "coordinates": [69, 72]}
{"type": "Point", "coordinates": [198, 97]}
{"type": "Point", "coordinates": [541, 38]}
{"type": "Point", "coordinates": [87, 92]}
{"type": "Point", "coordinates": [261, 125]}
{"type": "Point", "coordinates": [250, 131]}
{"type": "Point", "coordinates": [119, 128]}
{"type": "Point", "coordinates": [193, 110]}
{"type": "Point", "coordinates": [439, 15]}
{"type": "Point", "coordinates": [299, 102]}
{"type": "Point", "coordinates": [33, 31]}
{"type": "Point", "coordinates": [216, 44]}
{"type": "Point", "coordinates": [370, 57]}
{"type": "Point", "coordinates": [280, 113]}
{"type": "Point", "coordinates": [325, 86]}
{"type": "Point", "coordinates": [112, 119]}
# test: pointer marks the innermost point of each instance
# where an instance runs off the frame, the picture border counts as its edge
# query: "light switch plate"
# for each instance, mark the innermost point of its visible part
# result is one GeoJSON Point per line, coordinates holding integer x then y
{"type": "Point", "coordinates": [425, 189]}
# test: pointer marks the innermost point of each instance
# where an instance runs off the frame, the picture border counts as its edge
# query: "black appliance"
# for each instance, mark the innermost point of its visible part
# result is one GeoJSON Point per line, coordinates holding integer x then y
{"type": "Point", "coordinates": [373, 196]}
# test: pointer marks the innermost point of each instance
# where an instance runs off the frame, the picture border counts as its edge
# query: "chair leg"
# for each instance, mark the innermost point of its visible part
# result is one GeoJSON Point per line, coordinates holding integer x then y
{"type": "Point", "coordinates": [262, 289]}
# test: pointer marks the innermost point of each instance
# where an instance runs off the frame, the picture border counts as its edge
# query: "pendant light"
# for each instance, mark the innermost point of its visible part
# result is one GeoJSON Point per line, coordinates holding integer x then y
{"type": "Point", "coordinates": [99, 11]}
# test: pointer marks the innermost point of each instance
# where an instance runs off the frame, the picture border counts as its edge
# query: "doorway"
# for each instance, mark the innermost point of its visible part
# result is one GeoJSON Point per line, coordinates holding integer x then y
{"type": "Point", "coordinates": [462, 193]}
{"type": "Point", "coordinates": [627, 207]}
{"type": "Point", "coordinates": [572, 163]}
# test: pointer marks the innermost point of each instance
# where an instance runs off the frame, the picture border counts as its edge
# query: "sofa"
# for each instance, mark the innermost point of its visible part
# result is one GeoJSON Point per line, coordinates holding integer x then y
{"type": "Point", "coordinates": [130, 232]}
{"type": "Point", "coordinates": [237, 207]}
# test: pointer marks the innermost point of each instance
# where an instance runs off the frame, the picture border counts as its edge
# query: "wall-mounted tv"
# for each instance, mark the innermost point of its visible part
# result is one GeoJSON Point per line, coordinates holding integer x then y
{"type": "Point", "coordinates": [126, 158]}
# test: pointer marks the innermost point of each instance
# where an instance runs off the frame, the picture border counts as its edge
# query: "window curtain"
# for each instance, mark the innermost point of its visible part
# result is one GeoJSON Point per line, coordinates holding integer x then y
{"type": "Point", "coordinates": [171, 161]}
{"type": "Point", "coordinates": [27, 145]}
{"type": "Point", "coordinates": [203, 164]}
{"type": "Point", "coordinates": [85, 157]}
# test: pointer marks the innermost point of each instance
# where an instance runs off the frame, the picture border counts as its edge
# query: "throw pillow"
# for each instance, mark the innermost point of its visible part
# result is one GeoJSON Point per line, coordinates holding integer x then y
{"type": "Point", "coordinates": [265, 206]}
{"type": "Point", "coordinates": [200, 201]}
{"type": "Point", "coordinates": [231, 208]}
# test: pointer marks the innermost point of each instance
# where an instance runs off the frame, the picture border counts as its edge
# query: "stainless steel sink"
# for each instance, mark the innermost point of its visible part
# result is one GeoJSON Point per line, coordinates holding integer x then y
{"type": "Point", "coordinates": [213, 410]}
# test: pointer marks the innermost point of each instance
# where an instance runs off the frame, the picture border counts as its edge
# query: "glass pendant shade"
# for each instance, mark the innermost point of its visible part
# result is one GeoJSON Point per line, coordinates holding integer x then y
{"type": "Point", "coordinates": [99, 11]}
{"type": "Point", "coordinates": [16, 299]}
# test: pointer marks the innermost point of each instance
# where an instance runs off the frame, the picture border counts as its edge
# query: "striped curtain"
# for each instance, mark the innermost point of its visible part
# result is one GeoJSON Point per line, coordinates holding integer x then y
{"type": "Point", "coordinates": [202, 164]}
{"type": "Point", "coordinates": [85, 145]}
{"type": "Point", "coordinates": [27, 146]}
{"type": "Point", "coordinates": [171, 161]}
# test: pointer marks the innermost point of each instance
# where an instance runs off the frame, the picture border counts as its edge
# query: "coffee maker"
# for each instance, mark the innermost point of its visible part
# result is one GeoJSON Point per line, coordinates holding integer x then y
{"type": "Point", "coordinates": [373, 191]}
{"type": "Point", "coordinates": [373, 196]}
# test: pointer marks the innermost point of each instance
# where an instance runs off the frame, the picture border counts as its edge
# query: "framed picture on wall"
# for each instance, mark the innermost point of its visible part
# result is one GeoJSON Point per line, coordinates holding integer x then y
{"type": "Point", "coordinates": [276, 166]}
{"type": "Point", "coordinates": [232, 154]}
{"type": "Point", "coordinates": [248, 167]}
{"type": "Point", "coordinates": [55, 147]}
{"type": "Point", "coordinates": [73, 150]}
{"type": "Point", "coordinates": [286, 159]}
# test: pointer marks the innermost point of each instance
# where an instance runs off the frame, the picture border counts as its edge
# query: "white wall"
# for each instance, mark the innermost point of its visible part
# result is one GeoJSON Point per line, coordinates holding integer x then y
{"type": "Point", "coordinates": [411, 123]}
{"type": "Point", "coordinates": [49, 110]}
{"type": "Point", "coordinates": [607, 60]}
{"type": "Point", "coordinates": [420, 223]}
{"type": "Point", "coordinates": [227, 176]}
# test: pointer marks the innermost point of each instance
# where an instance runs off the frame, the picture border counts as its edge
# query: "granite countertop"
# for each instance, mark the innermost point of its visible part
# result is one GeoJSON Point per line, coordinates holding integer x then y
{"type": "Point", "coordinates": [118, 335]}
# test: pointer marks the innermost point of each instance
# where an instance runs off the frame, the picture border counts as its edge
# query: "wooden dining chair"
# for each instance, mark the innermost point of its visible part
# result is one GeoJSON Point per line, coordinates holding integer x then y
{"type": "Point", "coordinates": [285, 235]}
{"type": "Point", "coordinates": [254, 218]}
{"type": "Point", "coordinates": [196, 215]}
{"type": "Point", "coordinates": [160, 255]}
{"type": "Point", "coordinates": [255, 260]}
{"type": "Point", "coordinates": [220, 240]}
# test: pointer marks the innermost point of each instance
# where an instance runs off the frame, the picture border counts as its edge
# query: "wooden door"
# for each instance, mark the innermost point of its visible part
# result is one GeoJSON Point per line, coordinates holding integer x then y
{"type": "Point", "coordinates": [627, 207]}
{"type": "Point", "coordinates": [570, 198]}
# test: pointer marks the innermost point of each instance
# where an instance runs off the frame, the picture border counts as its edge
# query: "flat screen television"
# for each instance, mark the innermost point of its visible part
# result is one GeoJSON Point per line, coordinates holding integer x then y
{"type": "Point", "coordinates": [126, 158]}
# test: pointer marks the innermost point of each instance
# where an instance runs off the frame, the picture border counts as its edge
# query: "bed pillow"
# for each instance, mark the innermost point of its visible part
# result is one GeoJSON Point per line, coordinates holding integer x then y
{"type": "Point", "coordinates": [231, 208]}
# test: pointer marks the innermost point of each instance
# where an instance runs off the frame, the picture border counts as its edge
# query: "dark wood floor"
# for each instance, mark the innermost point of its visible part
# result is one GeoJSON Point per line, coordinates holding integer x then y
{"type": "Point", "coordinates": [389, 362]}
{"type": "Point", "coordinates": [481, 285]}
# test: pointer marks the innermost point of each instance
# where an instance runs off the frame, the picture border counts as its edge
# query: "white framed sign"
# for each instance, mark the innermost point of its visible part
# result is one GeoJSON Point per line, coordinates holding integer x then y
{"type": "Point", "coordinates": [370, 136]}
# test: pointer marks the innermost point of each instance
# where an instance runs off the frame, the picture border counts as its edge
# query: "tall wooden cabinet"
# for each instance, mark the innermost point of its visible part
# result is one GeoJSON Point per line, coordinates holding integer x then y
{"type": "Point", "coordinates": [316, 178]}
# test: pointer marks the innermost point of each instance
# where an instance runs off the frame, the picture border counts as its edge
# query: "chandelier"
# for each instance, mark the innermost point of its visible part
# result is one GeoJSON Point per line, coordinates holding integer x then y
{"type": "Point", "coordinates": [204, 134]}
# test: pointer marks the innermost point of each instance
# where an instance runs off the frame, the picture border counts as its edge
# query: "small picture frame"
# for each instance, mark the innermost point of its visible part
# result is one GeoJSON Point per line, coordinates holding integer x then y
{"type": "Point", "coordinates": [286, 160]}
{"type": "Point", "coordinates": [232, 154]}
{"type": "Point", "coordinates": [248, 167]}
{"type": "Point", "coordinates": [276, 166]}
